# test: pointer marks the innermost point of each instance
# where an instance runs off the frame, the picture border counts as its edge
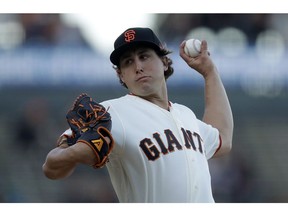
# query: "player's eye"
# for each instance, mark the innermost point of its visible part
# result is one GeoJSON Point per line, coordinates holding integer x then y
{"type": "Point", "coordinates": [144, 56]}
{"type": "Point", "coordinates": [126, 62]}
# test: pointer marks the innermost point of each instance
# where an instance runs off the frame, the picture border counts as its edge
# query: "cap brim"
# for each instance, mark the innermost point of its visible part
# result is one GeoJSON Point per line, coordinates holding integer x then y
{"type": "Point", "coordinates": [116, 54]}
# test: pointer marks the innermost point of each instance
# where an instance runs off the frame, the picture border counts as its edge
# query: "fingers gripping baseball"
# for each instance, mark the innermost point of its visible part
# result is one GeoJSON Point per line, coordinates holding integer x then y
{"type": "Point", "coordinates": [201, 62]}
{"type": "Point", "coordinates": [91, 124]}
{"type": "Point", "coordinates": [193, 49]}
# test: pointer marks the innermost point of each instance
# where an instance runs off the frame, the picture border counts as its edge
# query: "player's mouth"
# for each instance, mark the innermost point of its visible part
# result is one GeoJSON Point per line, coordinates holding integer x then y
{"type": "Point", "coordinates": [142, 78]}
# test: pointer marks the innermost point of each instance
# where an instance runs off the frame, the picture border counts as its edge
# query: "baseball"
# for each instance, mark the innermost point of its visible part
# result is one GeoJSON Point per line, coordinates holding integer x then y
{"type": "Point", "coordinates": [192, 47]}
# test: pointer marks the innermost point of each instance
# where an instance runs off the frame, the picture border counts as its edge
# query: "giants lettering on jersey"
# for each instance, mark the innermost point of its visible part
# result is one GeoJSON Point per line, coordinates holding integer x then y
{"type": "Point", "coordinates": [153, 151]}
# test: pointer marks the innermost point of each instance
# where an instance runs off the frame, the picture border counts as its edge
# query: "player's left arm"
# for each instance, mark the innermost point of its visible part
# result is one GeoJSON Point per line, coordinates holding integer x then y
{"type": "Point", "coordinates": [217, 111]}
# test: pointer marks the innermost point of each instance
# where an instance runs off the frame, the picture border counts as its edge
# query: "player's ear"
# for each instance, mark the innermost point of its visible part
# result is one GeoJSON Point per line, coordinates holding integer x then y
{"type": "Point", "coordinates": [165, 62]}
{"type": "Point", "coordinates": [120, 75]}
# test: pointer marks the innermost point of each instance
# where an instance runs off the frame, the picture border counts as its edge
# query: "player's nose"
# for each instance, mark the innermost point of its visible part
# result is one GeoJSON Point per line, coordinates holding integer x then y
{"type": "Point", "coordinates": [138, 66]}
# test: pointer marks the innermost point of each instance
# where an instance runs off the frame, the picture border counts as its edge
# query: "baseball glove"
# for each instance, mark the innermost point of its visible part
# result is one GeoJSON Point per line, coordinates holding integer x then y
{"type": "Point", "coordinates": [90, 123]}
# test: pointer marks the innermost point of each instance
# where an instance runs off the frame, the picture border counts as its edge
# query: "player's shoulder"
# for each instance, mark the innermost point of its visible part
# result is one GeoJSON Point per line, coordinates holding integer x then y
{"type": "Point", "coordinates": [115, 101]}
{"type": "Point", "coordinates": [183, 109]}
{"type": "Point", "coordinates": [180, 106]}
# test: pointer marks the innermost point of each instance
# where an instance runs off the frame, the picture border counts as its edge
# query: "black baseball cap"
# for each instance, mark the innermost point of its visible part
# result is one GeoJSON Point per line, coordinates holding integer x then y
{"type": "Point", "coordinates": [131, 37]}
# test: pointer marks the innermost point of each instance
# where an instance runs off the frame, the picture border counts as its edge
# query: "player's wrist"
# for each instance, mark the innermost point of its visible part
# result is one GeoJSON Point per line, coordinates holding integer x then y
{"type": "Point", "coordinates": [210, 74]}
{"type": "Point", "coordinates": [62, 142]}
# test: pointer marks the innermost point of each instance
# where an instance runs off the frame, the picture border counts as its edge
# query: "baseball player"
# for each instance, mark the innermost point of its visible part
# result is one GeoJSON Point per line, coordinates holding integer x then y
{"type": "Point", "coordinates": [155, 150]}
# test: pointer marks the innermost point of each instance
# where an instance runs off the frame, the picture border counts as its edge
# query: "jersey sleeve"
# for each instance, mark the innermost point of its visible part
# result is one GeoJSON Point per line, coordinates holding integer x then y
{"type": "Point", "coordinates": [211, 138]}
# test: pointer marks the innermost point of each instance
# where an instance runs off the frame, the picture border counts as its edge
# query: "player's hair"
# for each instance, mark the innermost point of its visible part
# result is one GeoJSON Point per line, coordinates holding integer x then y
{"type": "Point", "coordinates": [163, 53]}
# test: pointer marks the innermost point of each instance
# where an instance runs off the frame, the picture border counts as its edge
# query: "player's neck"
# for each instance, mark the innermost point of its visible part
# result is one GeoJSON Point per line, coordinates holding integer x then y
{"type": "Point", "coordinates": [162, 102]}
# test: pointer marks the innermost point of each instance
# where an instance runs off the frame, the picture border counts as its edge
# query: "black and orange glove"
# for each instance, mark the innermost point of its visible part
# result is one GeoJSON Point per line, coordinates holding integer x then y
{"type": "Point", "coordinates": [90, 124]}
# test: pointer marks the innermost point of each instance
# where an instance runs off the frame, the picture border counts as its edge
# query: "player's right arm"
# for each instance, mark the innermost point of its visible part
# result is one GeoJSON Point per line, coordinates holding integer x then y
{"type": "Point", "coordinates": [217, 111]}
{"type": "Point", "coordinates": [62, 160]}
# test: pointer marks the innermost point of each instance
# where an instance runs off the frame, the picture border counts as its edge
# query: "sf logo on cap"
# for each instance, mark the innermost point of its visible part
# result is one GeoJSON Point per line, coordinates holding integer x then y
{"type": "Point", "coordinates": [129, 35]}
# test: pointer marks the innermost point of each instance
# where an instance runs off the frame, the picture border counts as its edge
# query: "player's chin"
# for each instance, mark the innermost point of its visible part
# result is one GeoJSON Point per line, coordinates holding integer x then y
{"type": "Point", "coordinates": [142, 90]}
{"type": "Point", "coordinates": [144, 84]}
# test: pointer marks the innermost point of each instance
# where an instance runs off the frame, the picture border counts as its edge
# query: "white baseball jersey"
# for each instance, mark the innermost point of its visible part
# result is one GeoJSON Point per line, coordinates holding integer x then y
{"type": "Point", "coordinates": [159, 155]}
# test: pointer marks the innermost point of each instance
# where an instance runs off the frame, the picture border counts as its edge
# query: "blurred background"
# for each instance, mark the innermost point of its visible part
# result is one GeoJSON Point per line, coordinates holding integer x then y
{"type": "Point", "coordinates": [47, 60]}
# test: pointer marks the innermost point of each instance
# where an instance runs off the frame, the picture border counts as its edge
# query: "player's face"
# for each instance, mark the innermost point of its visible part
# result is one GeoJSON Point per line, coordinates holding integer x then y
{"type": "Point", "coordinates": [142, 70]}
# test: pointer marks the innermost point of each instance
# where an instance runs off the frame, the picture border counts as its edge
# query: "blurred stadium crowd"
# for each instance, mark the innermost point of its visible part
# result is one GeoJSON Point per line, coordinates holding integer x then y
{"type": "Point", "coordinates": [45, 63]}
{"type": "Point", "coordinates": [48, 50]}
